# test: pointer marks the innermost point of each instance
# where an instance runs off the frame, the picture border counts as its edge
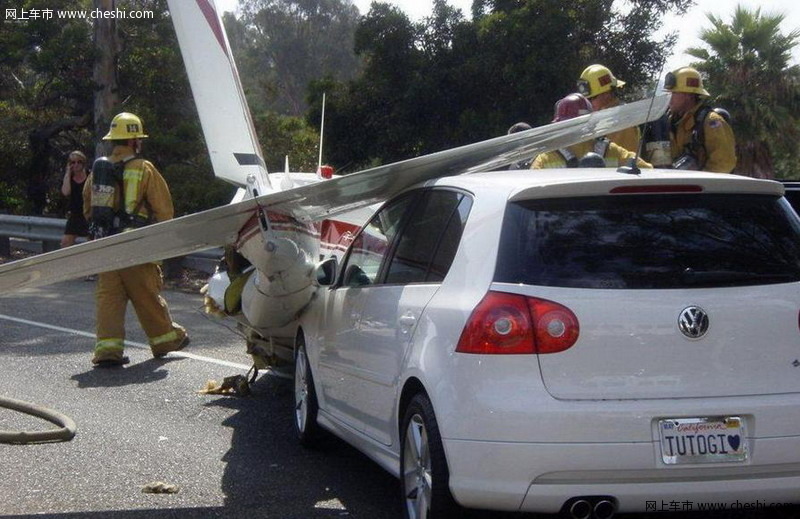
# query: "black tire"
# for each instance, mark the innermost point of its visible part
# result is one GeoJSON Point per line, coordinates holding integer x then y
{"type": "Point", "coordinates": [306, 406]}
{"type": "Point", "coordinates": [424, 476]}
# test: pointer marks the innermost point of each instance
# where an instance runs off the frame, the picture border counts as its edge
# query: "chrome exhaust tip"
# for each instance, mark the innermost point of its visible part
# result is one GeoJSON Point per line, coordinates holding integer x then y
{"type": "Point", "coordinates": [604, 509]}
{"type": "Point", "coordinates": [580, 509]}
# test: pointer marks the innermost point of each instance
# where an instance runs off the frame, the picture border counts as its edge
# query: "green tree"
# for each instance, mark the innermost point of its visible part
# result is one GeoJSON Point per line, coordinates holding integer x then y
{"type": "Point", "coordinates": [283, 136]}
{"type": "Point", "coordinates": [47, 92]}
{"type": "Point", "coordinates": [447, 81]}
{"type": "Point", "coordinates": [748, 70]}
{"type": "Point", "coordinates": [282, 45]}
{"type": "Point", "coordinates": [374, 116]}
{"type": "Point", "coordinates": [45, 99]}
{"type": "Point", "coordinates": [530, 52]}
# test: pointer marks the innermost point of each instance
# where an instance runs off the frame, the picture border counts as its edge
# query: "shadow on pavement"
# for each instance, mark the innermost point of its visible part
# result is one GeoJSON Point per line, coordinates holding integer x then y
{"type": "Point", "coordinates": [267, 470]}
{"type": "Point", "coordinates": [151, 370]}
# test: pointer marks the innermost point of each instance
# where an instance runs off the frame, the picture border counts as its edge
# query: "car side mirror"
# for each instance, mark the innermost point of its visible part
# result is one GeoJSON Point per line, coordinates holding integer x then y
{"type": "Point", "coordinates": [354, 276]}
{"type": "Point", "coordinates": [325, 272]}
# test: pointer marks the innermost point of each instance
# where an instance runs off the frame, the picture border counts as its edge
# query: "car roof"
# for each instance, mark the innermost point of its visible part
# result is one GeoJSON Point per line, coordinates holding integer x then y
{"type": "Point", "coordinates": [523, 184]}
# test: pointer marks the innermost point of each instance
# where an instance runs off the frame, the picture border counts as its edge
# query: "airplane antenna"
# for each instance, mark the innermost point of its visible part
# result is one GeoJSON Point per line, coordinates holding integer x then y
{"type": "Point", "coordinates": [633, 168]}
{"type": "Point", "coordinates": [286, 181]}
{"type": "Point", "coordinates": [321, 133]}
{"type": "Point", "coordinates": [652, 101]}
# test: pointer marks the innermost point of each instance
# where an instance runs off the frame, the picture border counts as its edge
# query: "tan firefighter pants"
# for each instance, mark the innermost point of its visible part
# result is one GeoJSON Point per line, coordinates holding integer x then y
{"type": "Point", "coordinates": [142, 286]}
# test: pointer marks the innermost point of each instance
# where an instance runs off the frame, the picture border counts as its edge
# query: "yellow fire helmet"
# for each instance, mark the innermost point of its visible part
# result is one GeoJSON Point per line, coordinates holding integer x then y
{"type": "Point", "coordinates": [597, 79]}
{"type": "Point", "coordinates": [125, 126]}
{"type": "Point", "coordinates": [685, 79]}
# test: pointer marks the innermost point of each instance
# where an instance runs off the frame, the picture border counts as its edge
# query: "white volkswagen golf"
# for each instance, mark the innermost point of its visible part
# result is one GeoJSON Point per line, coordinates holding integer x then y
{"type": "Point", "coordinates": [584, 341]}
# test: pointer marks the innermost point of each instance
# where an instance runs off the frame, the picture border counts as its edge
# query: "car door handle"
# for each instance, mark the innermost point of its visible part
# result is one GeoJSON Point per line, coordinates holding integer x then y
{"type": "Point", "coordinates": [407, 320]}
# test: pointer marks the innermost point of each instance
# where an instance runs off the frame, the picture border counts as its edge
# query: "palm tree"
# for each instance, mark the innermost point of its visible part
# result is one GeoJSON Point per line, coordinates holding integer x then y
{"type": "Point", "coordinates": [748, 69]}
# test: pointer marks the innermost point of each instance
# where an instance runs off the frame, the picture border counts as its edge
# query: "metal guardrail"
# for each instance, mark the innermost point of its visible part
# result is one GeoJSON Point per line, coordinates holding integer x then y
{"type": "Point", "coordinates": [32, 227]}
{"type": "Point", "coordinates": [41, 234]}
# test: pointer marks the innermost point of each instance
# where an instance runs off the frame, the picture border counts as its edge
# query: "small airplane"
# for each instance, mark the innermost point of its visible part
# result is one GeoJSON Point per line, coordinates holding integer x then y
{"type": "Point", "coordinates": [286, 225]}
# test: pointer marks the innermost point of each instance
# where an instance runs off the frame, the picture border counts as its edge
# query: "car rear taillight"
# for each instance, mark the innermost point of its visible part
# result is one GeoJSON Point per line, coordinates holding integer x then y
{"type": "Point", "coordinates": [514, 324]}
{"type": "Point", "coordinates": [555, 326]}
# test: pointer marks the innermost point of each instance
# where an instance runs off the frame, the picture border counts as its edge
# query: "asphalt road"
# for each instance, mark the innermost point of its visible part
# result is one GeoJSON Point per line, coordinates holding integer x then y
{"type": "Point", "coordinates": [230, 457]}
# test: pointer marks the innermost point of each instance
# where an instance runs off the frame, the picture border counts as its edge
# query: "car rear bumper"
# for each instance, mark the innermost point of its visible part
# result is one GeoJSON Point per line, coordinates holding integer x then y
{"type": "Point", "coordinates": [541, 477]}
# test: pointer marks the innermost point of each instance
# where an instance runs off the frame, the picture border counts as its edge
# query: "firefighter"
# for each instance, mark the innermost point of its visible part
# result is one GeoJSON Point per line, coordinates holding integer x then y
{"type": "Point", "coordinates": [575, 105]}
{"type": "Point", "coordinates": [136, 195]}
{"type": "Point", "coordinates": [700, 136]}
{"type": "Point", "coordinates": [600, 86]}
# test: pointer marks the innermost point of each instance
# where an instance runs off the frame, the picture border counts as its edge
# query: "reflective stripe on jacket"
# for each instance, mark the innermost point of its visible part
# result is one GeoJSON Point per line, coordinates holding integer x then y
{"type": "Point", "coordinates": [615, 156]}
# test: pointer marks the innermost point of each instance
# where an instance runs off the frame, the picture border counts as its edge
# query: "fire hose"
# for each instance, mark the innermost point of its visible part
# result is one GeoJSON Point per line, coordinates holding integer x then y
{"type": "Point", "coordinates": [66, 424]}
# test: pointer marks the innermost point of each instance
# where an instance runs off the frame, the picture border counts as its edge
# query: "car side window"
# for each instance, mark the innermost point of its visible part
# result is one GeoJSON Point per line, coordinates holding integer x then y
{"type": "Point", "coordinates": [448, 244]}
{"type": "Point", "coordinates": [428, 242]}
{"type": "Point", "coordinates": [372, 244]}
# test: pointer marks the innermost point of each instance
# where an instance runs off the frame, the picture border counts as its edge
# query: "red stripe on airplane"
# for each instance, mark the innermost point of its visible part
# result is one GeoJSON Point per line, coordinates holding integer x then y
{"type": "Point", "coordinates": [213, 21]}
{"type": "Point", "coordinates": [339, 233]}
{"type": "Point", "coordinates": [332, 233]}
{"type": "Point", "coordinates": [251, 224]}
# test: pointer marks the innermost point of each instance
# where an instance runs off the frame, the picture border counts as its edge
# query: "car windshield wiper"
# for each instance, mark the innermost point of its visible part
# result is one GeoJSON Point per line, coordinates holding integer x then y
{"type": "Point", "coordinates": [692, 276]}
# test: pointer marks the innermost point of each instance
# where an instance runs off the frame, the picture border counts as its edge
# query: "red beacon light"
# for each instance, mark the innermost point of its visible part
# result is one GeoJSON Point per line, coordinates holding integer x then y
{"type": "Point", "coordinates": [325, 171]}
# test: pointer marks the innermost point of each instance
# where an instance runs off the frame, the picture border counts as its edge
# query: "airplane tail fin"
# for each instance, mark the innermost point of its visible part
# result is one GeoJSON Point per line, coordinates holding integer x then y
{"type": "Point", "coordinates": [224, 115]}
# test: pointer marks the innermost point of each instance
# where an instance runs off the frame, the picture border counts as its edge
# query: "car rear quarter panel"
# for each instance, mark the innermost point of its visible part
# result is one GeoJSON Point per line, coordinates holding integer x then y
{"type": "Point", "coordinates": [432, 351]}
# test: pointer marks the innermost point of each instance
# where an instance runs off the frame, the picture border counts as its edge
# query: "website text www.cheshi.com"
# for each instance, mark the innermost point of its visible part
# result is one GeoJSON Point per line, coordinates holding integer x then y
{"type": "Point", "coordinates": [21, 15]}
{"type": "Point", "coordinates": [700, 506]}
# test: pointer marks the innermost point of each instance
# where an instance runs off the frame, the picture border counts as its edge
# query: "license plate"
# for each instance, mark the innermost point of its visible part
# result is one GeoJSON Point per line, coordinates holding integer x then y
{"type": "Point", "coordinates": [715, 439]}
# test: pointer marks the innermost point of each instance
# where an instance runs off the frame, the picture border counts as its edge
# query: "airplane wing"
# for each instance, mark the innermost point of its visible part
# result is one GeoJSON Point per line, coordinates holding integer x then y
{"type": "Point", "coordinates": [191, 233]}
{"type": "Point", "coordinates": [332, 197]}
{"type": "Point", "coordinates": [326, 199]}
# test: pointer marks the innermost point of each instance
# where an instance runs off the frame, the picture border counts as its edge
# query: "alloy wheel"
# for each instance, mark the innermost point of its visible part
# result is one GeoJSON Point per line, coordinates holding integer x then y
{"type": "Point", "coordinates": [417, 475]}
{"type": "Point", "coordinates": [301, 391]}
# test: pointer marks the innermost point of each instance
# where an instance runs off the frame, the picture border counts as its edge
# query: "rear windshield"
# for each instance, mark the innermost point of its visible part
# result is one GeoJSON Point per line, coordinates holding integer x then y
{"type": "Point", "coordinates": [646, 241]}
{"type": "Point", "coordinates": [793, 196]}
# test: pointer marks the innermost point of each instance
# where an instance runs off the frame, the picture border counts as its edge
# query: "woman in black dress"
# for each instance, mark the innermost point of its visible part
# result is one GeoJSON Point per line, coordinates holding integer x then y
{"type": "Point", "coordinates": [72, 188]}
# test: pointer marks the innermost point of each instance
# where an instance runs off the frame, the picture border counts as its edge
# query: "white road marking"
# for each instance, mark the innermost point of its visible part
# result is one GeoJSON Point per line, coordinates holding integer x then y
{"type": "Point", "coordinates": [140, 345]}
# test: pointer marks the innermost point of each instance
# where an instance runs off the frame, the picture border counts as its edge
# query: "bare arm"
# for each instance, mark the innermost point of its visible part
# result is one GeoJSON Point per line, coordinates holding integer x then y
{"type": "Point", "coordinates": [66, 185]}
{"type": "Point", "coordinates": [87, 198]}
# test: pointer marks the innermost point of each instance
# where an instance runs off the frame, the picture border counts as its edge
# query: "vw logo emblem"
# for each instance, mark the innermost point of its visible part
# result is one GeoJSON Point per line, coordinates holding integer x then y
{"type": "Point", "coordinates": [693, 322]}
